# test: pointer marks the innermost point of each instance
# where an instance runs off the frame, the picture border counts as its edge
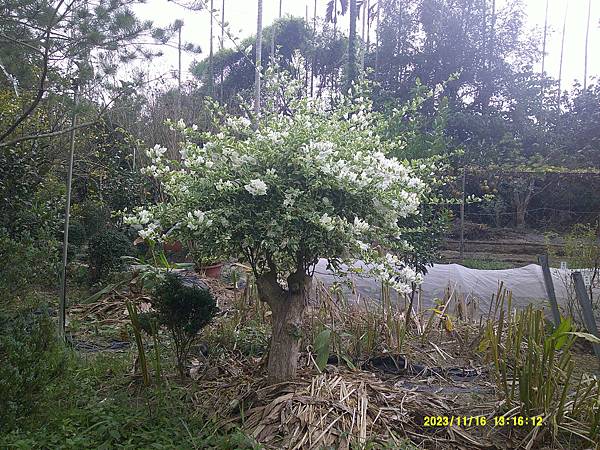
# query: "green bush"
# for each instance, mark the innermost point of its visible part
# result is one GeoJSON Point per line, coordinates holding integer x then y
{"type": "Point", "coordinates": [30, 358]}
{"type": "Point", "coordinates": [184, 310]}
{"type": "Point", "coordinates": [25, 261]}
{"type": "Point", "coordinates": [105, 250]}
{"type": "Point", "coordinates": [93, 216]}
{"type": "Point", "coordinates": [77, 233]}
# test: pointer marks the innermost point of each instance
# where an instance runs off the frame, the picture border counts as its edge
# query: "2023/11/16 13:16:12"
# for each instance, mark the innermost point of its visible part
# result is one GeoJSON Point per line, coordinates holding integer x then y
{"type": "Point", "coordinates": [481, 421]}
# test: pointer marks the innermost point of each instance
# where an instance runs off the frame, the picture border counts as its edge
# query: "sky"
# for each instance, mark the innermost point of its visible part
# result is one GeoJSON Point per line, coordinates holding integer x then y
{"type": "Point", "coordinates": [242, 14]}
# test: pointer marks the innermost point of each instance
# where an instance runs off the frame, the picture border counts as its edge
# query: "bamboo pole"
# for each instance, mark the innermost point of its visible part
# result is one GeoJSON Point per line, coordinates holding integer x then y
{"type": "Point", "coordinates": [180, 24]}
{"type": "Point", "coordinates": [312, 65]}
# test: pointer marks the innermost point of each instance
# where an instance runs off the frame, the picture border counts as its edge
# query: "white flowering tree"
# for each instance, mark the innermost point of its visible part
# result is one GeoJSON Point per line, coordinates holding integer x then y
{"type": "Point", "coordinates": [300, 185]}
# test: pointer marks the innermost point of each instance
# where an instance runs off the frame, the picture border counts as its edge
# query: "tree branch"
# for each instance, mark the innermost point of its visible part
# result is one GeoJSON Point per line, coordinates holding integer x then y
{"type": "Point", "coordinates": [42, 83]}
{"type": "Point", "coordinates": [45, 135]}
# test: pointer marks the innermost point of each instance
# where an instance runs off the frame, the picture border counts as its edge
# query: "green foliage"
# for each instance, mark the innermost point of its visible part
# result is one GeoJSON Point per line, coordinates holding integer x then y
{"type": "Point", "coordinates": [321, 346]}
{"type": "Point", "coordinates": [77, 233]}
{"type": "Point", "coordinates": [91, 405]}
{"type": "Point", "coordinates": [292, 34]}
{"type": "Point", "coordinates": [105, 251]}
{"type": "Point", "coordinates": [184, 310]}
{"type": "Point", "coordinates": [250, 337]}
{"type": "Point", "coordinates": [26, 262]}
{"type": "Point", "coordinates": [533, 369]}
{"type": "Point", "coordinates": [582, 247]}
{"type": "Point", "coordinates": [93, 216]}
{"type": "Point", "coordinates": [30, 359]}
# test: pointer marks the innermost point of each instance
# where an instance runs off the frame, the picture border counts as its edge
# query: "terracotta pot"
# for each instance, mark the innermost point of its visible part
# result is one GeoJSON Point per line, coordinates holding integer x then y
{"type": "Point", "coordinates": [212, 271]}
{"type": "Point", "coordinates": [172, 247]}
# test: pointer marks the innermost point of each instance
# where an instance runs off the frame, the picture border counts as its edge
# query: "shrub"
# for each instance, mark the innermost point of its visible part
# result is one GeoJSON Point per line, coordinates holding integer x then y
{"type": "Point", "coordinates": [26, 261]}
{"type": "Point", "coordinates": [93, 217]}
{"type": "Point", "coordinates": [184, 310]}
{"type": "Point", "coordinates": [286, 192]}
{"type": "Point", "coordinates": [77, 234]}
{"type": "Point", "coordinates": [105, 251]}
{"type": "Point", "coordinates": [30, 358]}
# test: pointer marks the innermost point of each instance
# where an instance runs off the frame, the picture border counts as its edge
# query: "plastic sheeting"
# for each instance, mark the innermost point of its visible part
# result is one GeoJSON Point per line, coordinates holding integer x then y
{"type": "Point", "coordinates": [526, 284]}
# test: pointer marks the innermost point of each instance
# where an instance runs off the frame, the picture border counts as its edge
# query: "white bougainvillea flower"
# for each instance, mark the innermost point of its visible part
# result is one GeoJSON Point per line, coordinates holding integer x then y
{"type": "Point", "coordinates": [256, 187]}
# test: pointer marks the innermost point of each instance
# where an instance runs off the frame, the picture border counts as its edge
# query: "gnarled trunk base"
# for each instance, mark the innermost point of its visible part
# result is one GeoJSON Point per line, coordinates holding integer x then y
{"type": "Point", "coordinates": [287, 307]}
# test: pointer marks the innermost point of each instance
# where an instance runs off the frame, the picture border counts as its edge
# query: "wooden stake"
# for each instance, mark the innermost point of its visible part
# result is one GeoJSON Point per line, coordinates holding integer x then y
{"type": "Point", "coordinates": [543, 260]}
{"type": "Point", "coordinates": [586, 307]}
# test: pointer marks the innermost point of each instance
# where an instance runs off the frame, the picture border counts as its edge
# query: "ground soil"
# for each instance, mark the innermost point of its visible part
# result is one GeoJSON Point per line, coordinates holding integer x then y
{"type": "Point", "coordinates": [517, 247]}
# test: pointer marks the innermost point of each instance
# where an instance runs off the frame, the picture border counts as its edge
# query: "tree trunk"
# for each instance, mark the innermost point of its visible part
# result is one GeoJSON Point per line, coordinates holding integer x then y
{"type": "Point", "coordinates": [521, 202]}
{"type": "Point", "coordinates": [287, 307]}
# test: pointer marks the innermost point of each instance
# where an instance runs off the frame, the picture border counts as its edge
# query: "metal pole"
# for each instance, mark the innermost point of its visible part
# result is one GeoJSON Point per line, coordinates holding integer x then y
{"type": "Point", "coordinates": [62, 308]}
{"type": "Point", "coordinates": [179, 74]}
{"type": "Point", "coordinates": [543, 260]}
{"type": "Point", "coordinates": [586, 307]}
{"type": "Point", "coordinates": [312, 65]}
{"type": "Point", "coordinates": [211, 70]}
{"type": "Point", "coordinates": [258, 60]}
{"type": "Point", "coordinates": [222, 46]}
{"type": "Point", "coordinates": [462, 217]}
{"type": "Point", "coordinates": [587, 36]}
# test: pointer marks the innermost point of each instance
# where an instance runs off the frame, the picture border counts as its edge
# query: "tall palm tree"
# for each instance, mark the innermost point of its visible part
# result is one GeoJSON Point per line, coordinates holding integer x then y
{"type": "Point", "coordinates": [353, 7]}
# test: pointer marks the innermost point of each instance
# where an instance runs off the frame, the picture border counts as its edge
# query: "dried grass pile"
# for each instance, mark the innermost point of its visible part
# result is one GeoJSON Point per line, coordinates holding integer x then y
{"type": "Point", "coordinates": [330, 410]}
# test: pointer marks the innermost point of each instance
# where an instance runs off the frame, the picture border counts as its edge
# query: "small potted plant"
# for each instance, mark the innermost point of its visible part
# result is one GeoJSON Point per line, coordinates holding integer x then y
{"type": "Point", "coordinates": [206, 263]}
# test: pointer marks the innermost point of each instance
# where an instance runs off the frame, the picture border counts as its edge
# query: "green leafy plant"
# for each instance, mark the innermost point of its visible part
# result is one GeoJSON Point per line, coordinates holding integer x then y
{"type": "Point", "coordinates": [137, 331]}
{"type": "Point", "coordinates": [534, 370]}
{"type": "Point", "coordinates": [321, 346]}
{"type": "Point", "coordinates": [30, 358]}
{"type": "Point", "coordinates": [184, 311]}
{"type": "Point", "coordinates": [105, 251]}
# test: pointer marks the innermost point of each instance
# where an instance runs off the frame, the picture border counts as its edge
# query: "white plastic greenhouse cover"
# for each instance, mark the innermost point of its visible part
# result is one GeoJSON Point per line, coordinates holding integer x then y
{"type": "Point", "coordinates": [526, 283]}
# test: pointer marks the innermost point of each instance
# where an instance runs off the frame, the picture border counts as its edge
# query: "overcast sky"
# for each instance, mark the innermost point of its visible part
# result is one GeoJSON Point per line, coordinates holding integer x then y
{"type": "Point", "coordinates": [241, 15]}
